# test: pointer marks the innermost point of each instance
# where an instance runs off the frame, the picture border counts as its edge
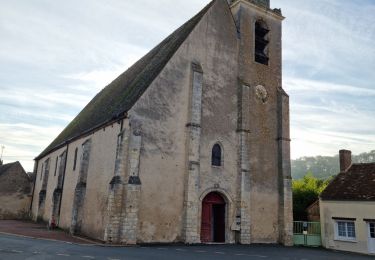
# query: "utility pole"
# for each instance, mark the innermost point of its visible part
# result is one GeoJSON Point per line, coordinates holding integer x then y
{"type": "Point", "coordinates": [1, 156]}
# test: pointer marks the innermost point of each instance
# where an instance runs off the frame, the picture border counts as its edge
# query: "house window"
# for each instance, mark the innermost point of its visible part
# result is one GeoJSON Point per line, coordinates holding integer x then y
{"type": "Point", "coordinates": [261, 43]}
{"type": "Point", "coordinates": [345, 230]}
{"type": "Point", "coordinates": [216, 155]}
{"type": "Point", "coordinates": [75, 159]}
{"type": "Point", "coordinates": [372, 230]}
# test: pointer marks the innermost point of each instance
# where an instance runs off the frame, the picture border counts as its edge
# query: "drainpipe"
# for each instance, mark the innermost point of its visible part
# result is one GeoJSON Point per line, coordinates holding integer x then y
{"type": "Point", "coordinates": [63, 181]}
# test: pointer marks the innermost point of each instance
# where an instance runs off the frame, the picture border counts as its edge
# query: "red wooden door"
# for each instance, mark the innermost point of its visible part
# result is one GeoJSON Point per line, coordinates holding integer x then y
{"type": "Point", "coordinates": [206, 223]}
{"type": "Point", "coordinates": [213, 218]}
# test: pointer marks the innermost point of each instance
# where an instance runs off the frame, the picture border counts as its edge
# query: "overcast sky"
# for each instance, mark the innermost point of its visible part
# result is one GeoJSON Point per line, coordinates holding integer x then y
{"type": "Point", "coordinates": [56, 55]}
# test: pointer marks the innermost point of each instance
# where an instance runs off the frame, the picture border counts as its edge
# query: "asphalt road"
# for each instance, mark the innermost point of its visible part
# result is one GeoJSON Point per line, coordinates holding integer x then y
{"type": "Point", "coordinates": [14, 248]}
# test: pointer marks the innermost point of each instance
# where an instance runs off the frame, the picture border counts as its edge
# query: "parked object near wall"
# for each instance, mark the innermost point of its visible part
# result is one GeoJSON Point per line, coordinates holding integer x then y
{"type": "Point", "coordinates": [347, 208]}
{"type": "Point", "coordinates": [15, 191]}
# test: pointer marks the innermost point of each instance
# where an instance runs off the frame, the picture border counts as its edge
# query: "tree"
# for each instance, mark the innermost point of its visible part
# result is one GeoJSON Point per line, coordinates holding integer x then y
{"type": "Point", "coordinates": [325, 166]}
{"type": "Point", "coordinates": [305, 192]}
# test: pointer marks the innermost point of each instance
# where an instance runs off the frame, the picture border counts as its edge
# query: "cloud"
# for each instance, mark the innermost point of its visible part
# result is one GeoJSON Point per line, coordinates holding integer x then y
{"type": "Point", "coordinates": [329, 40]}
{"type": "Point", "coordinates": [23, 142]}
{"type": "Point", "coordinates": [298, 84]}
{"type": "Point", "coordinates": [326, 117]}
{"type": "Point", "coordinates": [54, 57]}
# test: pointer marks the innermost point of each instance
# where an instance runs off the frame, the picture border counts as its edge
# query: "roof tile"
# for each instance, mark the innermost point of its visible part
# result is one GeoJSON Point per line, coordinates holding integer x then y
{"type": "Point", "coordinates": [356, 184]}
{"type": "Point", "coordinates": [120, 95]}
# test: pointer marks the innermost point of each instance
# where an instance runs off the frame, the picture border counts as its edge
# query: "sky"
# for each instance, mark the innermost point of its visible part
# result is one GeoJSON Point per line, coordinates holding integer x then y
{"type": "Point", "coordinates": [56, 55]}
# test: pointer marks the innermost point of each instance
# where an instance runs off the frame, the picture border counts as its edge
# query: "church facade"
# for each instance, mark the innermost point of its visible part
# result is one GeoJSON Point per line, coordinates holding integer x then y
{"type": "Point", "coordinates": [191, 144]}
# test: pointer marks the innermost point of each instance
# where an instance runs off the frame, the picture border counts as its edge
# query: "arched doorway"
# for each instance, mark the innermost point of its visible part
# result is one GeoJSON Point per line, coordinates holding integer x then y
{"type": "Point", "coordinates": [213, 218]}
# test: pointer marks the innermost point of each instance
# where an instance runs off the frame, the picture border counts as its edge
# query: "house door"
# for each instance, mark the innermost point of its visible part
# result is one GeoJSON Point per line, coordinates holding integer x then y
{"type": "Point", "coordinates": [371, 237]}
{"type": "Point", "coordinates": [213, 218]}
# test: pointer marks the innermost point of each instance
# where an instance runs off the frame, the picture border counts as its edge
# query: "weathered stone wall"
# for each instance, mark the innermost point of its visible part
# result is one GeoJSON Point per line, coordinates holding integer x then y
{"type": "Point", "coordinates": [148, 185]}
{"type": "Point", "coordinates": [79, 204]}
{"type": "Point", "coordinates": [165, 162]}
{"type": "Point", "coordinates": [15, 193]}
{"type": "Point", "coordinates": [57, 193]}
{"type": "Point", "coordinates": [99, 174]}
{"type": "Point", "coordinates": [43, 190]}
{"type": "Point", "coordinates": [266, 159]}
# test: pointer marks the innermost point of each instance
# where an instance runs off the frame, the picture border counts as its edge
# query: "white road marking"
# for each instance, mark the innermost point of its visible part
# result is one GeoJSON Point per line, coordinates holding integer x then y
{"type": "Point", "coordinates": [88, 256]}
{"type": "Point", "coordinates": [63, 254]}
{"type": "Point", "coordinates": [200, 251]}
{"type": "Point", "coordinates": [221, 253]}
{"type": "Point", "coordinates": [242, 254]}
{"type": "Point", "coordinates": [113, 258]}
{"type": "Point", "coordinates": [162, 248]}
{"type": "Point", "coordinates": [17, 251]}
{"type": "Point", "coordinates": [179, 249]}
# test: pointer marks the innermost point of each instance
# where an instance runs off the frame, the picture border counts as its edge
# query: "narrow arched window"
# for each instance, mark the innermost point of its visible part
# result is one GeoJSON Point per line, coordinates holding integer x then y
{"type": "Point", "coordinates": [216, 155]}
{"type": "Point", "coordinates": [75, 159]}
{"type": "Point", "coordinates": [57, 159]}
{"type": "Point", "coordinates": [41, 172]}
{"type": "Point", "coordinates": [261, 43]}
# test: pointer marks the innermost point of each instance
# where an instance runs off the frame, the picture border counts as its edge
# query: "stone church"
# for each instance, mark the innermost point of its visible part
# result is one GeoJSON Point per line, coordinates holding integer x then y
{"type": "Point", "coordinates": [191, 144]}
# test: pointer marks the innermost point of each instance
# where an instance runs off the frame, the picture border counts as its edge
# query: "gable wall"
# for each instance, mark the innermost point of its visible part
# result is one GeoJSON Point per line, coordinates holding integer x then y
{"type": "Point", "coordinates": [164, 110]}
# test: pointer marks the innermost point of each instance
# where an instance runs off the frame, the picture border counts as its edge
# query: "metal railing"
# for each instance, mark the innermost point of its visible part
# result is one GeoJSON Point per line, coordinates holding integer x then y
{"type": "Point", "coordinates": [307, 233]}
{"type": "Point", "coordinates": [307, 228]}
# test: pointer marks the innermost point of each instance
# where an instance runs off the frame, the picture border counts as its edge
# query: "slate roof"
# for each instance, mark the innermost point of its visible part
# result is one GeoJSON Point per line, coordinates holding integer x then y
{"type": "Point", "coordinates": [356, 184]}
{"type": "Point", "coordinates": [118, 97]}
{"type": "Point", "coordinates": [5, 167]}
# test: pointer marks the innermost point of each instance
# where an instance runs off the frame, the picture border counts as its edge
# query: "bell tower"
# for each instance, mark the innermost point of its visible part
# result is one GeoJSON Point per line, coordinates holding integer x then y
{"type": "Point", "coordinates": [263, 125]}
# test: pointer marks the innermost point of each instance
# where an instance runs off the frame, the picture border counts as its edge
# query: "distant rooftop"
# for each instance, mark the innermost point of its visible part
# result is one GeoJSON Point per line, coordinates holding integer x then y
{"type": "Point", "coordinates": [355, 184]}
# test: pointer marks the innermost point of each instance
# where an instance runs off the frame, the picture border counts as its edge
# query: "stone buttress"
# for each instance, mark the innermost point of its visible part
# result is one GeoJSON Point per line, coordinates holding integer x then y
{"type": "Point", "coordinates": [191, 224]}
{"type": "Point", "coordinates": [286, 200]}
{"type": "Point", "coordinates": [125, 188]}
{"type": "Point", "coordinates": [243, 131]}
{"type": "Point", "coordinates": [80, 190]}
{"type": "Point", "coordinates": [43, 190]}
{"type": "Point", "coordinates": [57, 193]}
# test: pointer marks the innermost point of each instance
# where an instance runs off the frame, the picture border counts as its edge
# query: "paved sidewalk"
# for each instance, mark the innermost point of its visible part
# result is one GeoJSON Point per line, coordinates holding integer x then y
{"type": "Point", "coordinates": [40, 231]}
{"type": "Point", "coordinates": [19, 248]}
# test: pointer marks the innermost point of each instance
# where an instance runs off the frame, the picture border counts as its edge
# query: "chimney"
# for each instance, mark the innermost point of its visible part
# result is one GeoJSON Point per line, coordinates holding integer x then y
{"type": "Point", "coordinates": [345, 160]}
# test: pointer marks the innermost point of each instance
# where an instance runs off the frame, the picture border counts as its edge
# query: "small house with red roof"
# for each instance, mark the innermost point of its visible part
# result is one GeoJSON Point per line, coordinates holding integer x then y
{"type": "Point", "coordinates": [347, 208]}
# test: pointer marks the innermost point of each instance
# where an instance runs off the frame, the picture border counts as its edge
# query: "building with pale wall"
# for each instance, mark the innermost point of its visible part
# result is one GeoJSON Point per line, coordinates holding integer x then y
{"type": "Point", "coordinates": [191, 144]}
{"type": "Point", "coordinates": [347, 208]}
{"type": "Point", "coordinates": [15, 191]}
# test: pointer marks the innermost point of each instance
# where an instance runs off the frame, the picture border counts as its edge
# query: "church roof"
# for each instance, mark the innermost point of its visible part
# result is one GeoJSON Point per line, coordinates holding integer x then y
{"type": "Point", "coordinates": [355, 184]}
{"type": "Point", "coordinates": [118, 97]}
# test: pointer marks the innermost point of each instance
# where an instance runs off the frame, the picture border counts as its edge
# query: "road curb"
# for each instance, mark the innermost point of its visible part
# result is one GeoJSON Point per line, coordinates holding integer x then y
{"type": "Point", "coordinates": [54, 240]}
